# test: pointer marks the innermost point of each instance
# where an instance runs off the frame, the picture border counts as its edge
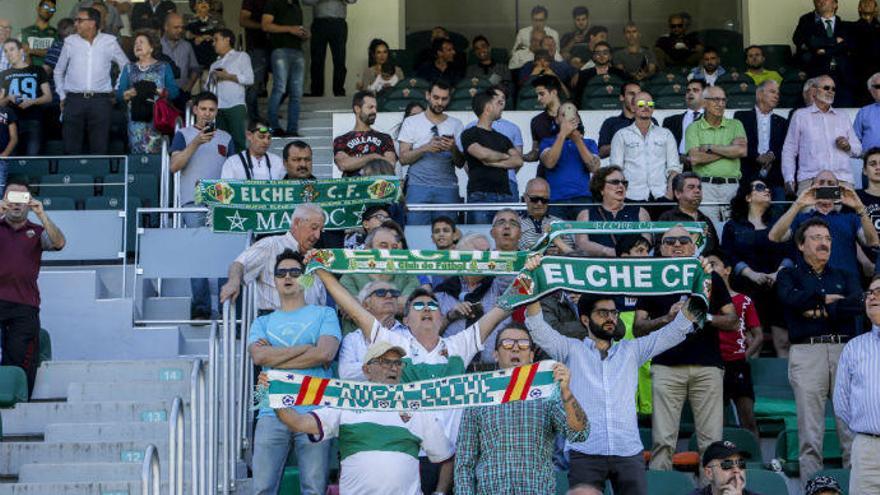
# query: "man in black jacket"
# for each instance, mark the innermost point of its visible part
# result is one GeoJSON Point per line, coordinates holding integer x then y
{"type": "Point", "coordinates": [679, 123]}
{"type": "Point", "coordinates": [818, 303]}
{"type": "Point", "coordinates": [765, 132]}
{"type": "Point", "coordinates": [150, 14]}
{"type": "Point", "coordinates": [822, 41]}
{"type": "Point", "coordinates": [865, 35]}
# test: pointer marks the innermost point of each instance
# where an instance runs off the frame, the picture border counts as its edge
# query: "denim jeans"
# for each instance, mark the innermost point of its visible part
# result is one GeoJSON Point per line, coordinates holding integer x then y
{"type": "Point", "coordinates": [485, 217]}
{"type": "Point", "coordinates": [260, 64]}
{"type": "Point", "coordinates": [201, 291]}
{"type": "Point", "coordinates": [430, 195]}
{"type": "Point", "coordinates": [569, 212]}
{"type": "Point", "coordinates": [288, 69]}
{"type": "Point", "coordinates": [272, 443]}
{"type": "Point", "coordinates": [30, 135]}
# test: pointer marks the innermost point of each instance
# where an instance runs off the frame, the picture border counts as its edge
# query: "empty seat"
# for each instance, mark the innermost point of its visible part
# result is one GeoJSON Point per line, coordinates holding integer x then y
{"type": "Point", "coordinates": [76, 186]}
{"type": "Point", "coordinates": [770, 377]}
{"type": "Point", "coordinates": [669, 483]}
{"type": "Point", "coordinates": [94, 166]}
{"type": "Point", "coordinates": [33, 168]}
{"type": "Point", "coordinates": [45, 347]}
{"type": "Point", "coordinates": [58, 203]}
{"type": "Point", "coordinates": [53, 147]}
{"type": "Point", "coordinates": [670, 103]}
{"type": "Point", "coordinates": [143, 186]}
{"type": "Point", "coordinates": [668, 77]}
{"type": "Point", "coordinates": [474, 82]}
{"type": "Point", "coordinates": [141, 164]}
{"type": "Point", "coordinates": [670, 89]}
{"type": "Point", "coordinates": [528, 104]}
{"type": "Point", "coordinates": [13, 386]}
{"type": "Point", "coordinates": [744, 87]}
{"type": "Point", "coordinates": [841, 475]}
{"type": "Point", "coordinates": [740, 101]}
{"type": "Point", "coordinates": [112, 203]}
{"type": "Point", "coordinates": [398, 104]}
{"type": "Point", "coordinates": [403, 90]}
{"type": "Point", "coordinates": [761, 481]}
{"type": "Point", "coordinates": [460, 105]}
{"type": "Point", "coordinates": [600, 102]}
{"type": "Point", "coordinates": [744, 439]}
{"type": "Point", "coordinates": [604, 80]}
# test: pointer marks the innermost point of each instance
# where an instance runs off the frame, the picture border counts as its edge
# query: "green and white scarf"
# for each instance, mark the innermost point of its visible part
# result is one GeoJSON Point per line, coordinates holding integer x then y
{"type": "Point", "coordinates": [529, 382]}
{"type": "Point", "coordinates": [417, 262]}
{"type": "Point", "coordinates": [699, 229]}
{"type": "Point", "coordinates": [264, 206]}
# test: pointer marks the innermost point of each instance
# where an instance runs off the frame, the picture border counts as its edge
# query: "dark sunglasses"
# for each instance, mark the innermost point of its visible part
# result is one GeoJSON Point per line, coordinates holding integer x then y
{"type": "Point", "coordinates": [875, 86]}
{"type": "Point", "coordinates": [538, 199]}
{"type": "Point", "coordinates": [284, 272]}
{"type": "Point", "coordinates": [385, 292]}
{"type": "Point", "coordinates": [759, 187]}
{"type": "Point", "coordinates": [828, 88]}
{"type": "Point", "coordinates": [872, 292]}
{"type": "Point", "coordinates": [684, 240]}
{"type": "Point", "coordinates": [425, 306]}
{"type": "Point", "coordinates": [728, 464]}
{"type": "Point", "coordinates": [673, 26]}
{"type": "Point", "coordinates": [522, 344]}
{"type": "Point", "coordinates": [48, 8]}
{"type": "Point", "coordinates": [618, 182]}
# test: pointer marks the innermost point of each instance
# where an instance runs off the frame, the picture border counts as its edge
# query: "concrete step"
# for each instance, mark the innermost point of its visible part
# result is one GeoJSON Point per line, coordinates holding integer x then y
{"type": "Point", "coordinates": [242, 486]}
{"type": "Point", "coordinates": [167, 308]}
{"type": "Point", "coordinates": [31, 418]}
{"type": "Point", "coordinates": [80, 472]}
{"type": "Point", "coordinates": [108, 432]}
{"type": "Point", "coordinates": [53, 377]}
{"type": "Point", "coordinates": [13, 455]}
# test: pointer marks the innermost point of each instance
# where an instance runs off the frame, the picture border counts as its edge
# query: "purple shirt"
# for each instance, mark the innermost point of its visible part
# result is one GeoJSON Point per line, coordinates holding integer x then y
{"type": "Point", "coordinates": [20, 264]}
{"type": "Point", "coordinates": [810, 142]}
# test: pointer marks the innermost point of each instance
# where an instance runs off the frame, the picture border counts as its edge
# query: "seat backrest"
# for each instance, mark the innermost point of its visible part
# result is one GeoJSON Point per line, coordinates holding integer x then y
{"type": "Point", "coordinates": [668, 483]}
{"type": "Point", "coordinates": [98, 167]}
{"type": "Point", "coordinates": [77, 186]}
{"type": "Point", "coordinates": [58, 203]}
{"type": "Point", "coordinates": [13, 386]}
{"type": "Point", "coordinates": [770, 372]}
{"type": "Point", "coordinates": [142, 164]}
{"type": "Point", "coordinates": [744, 439]}
{"type": "Point", "coordinates": [841, 475]}
{"type": "Point", "coordinates": [761, 481]}
{"type": "Point", "coordinates": [33, 168]}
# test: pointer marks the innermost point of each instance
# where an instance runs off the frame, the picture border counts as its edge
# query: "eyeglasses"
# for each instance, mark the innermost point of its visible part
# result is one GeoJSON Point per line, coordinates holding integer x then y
{"type": "Point", "coordinates": [643, 103]}
{"type": "Point", "coordinates": [80, 19]}
{"type": "Point", "coordinates": [508, 223]}
{"type": "Point", "coordinates": [728, 464]}
{"type": "Point", "coordinates": [522, 344]}
{"type": "Point", "coordinates": [378, 216]}
{"type": "Point", "coordinates": [873, 292]}
{"type": "Point", "coordinates": [538, 199]}
{"type": "Point", "coordinates": [385, 292]}
{"type": "Point", "coordinates": [48, 7]}
{"type": "Point", "coordinates": [425, 306]}
{"type": "Point", "coordinates": [676, 26]}
{"type": "Point", "coordinates": [607, 313]}
{"type": "Point", "coordinates": [261, 129]}
{"type": "Point", "coordinates": [716, 99]}
{"type": "Point", "coordinates": [617, 182]}
{"type": "Point", "coordinates": [828, 87]}
{"type": "Point", "coordinates": [284, 272]}
{"type": "Point", "coordinates": [819, 238]}
{"type": "Point", "coordinates": [684, 240]}
{"type": "Point", "coordinates": [387, 363]}
{"type": "Point", "coordinates": [759, 187]}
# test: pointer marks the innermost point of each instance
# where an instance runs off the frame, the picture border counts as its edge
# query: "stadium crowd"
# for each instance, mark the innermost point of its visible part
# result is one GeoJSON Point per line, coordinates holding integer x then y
{"type": "Point", "coordinates": [796, 280]}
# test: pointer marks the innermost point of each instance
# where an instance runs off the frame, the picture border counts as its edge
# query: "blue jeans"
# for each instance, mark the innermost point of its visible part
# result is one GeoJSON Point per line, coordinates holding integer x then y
{"type": "Point", "coordinates": [30, 136]}
{"type": "Point", "coordinates": [484, 217]}
{"type": "Point", "coordinates": [288, 68]}
{"type": "Point", "coordinates": [259, 62]}
{"type": "Point", "coordinates": [3, 172]}
{"type": "Point", "coordinates": [430, 195]}
{"type": "Point", "coordinates": [201, 291]}
{"type": "Point", "coordinates": [569, 212]}
{"type": "Point", "coordinates": [272, 443]}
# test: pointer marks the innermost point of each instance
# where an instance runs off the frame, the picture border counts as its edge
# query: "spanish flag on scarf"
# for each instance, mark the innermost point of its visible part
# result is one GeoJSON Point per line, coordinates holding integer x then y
{"type": "Point", "coordinates": [311, 391]}
{"type": "Point", "coordinates": [520, 383]}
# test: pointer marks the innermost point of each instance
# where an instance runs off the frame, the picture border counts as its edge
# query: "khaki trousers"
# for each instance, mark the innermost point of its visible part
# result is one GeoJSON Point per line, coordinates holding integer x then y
{"type": "Point", "coordinates": [703, 386]}
{"type": "Point", "coordinates": [718, 193]}
{"type": "Point", "coordinates": [812, 370]}
{"type": "Point", "coordinates": [865, 475]}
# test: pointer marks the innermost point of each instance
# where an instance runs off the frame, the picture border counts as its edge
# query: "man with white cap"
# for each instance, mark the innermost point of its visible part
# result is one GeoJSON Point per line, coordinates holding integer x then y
{"type": "Point", "coordinates": [379, 449]}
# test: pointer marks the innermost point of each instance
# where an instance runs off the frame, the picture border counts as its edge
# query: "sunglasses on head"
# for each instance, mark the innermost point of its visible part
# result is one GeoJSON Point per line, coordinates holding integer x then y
{"type": "Point", "coordinates": [509, 344]}
{"type": "Point", "coordinates": [385, 292]}
{"type": "Point", "coordinates": [425, 306]}
{"type": "Point", "coordinates": [683, 240]}
{"type": "Point", "coordinates": [759, 187]}
{"type": "Point", "coordinates": [643, 103]}
{"type": "Point", "coordinates": [48, 7]}
{"type": "Point", "coordinates": [538, 199]}
{"type": "Point", "coordinates": [617, 182]}
{"type": "Point", "coordinates": [728, 464]}
{"type": "Point", "coordinates": [284, 272]}
{"type": "Point", "coordinates": [261, 129]}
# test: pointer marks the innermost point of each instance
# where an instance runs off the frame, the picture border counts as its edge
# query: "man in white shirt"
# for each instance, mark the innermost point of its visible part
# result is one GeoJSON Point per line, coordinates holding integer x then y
{"type": "Point", "coordinates": [647, 153]}
{"type": "Point", "coordinates": [82, 80]}
{"type": "Point", "coordinates": [524, 37]}
{"type": "Point", "coordinates": [255, 163]}
{"type": "Point", "coordinates": [228, 77]}
{"type": "Point", "coordinates": [379, 297]}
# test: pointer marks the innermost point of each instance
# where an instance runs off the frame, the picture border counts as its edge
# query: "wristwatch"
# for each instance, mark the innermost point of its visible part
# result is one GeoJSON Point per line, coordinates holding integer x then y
{"type": "Point", "coordinates": [709, 148]}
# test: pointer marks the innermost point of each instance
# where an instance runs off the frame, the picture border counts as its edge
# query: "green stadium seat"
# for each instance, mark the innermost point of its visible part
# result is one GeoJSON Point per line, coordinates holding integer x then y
{"type": "Point", "coordinates": [670, 103]}
{"type": "Point", "coordinates": [606, 80]}
{"type": "Point", "coordinates": [561, 482]}
{"type": "Point", "coordinates": [415, 83]}
{"type": "Point", "coordinates": [528, 104]}
{"type": "Point", "coordinates": [466, 93]}
{"type": "Point", "coordinates": [45, 347]}
{"type": "Point", "coordinates": [786, 449]}
{"type": "Point", "coordinates": [53, 147]}
{"type": "Point", "coordinates": [404, 91]}
{"type": "Point", "coordinates": [776, 56]}
{"type": "Point", "coordinates": [460, 105]}
{"type": "Point", "coordinates": [675, 89]}
{"type": "Point", "coordinates": [143, 186]}
{"type": "Point", "coordinates": [740, 102]}
{"type": "Point", "coordinates": [841, 475]}
{"type": "Point", "coordinates": [602, 91]}
{"type": "Point", "coordinates": [290, 481]}
{"type": "Point", "coordinates": [76, 186]}
{"type": "Point", "coordinates": [761, 481]}
{"type": "Point", "coordinates": [13, 386]}
{"type": "Point", "coordinates": [600, 103]}
{"type": "Point", "coordinates": [744, 87]}
{"type": "Point", "coordinates": [398, 104]}
{"type": "Point", "coordinates": [744, 439]}
{"type": "Point", "coordinates": [111, 203]}
{"type": "Point", "coordinates": [668, 483]}
{"type": "Point", "coordinates": [58, 203]}
{"type": "Point", "coordinates": [478, 83]}
{"type": "Point", "coordinates": [33, 168]}
{"type": "Point", "coordinates": [141, 164]}
{"type": "Point", "coordinates": [116, 147]}
{"type": "Point", "coordinates": [733, 77]}
{"type": "Point", "coordinates": [98, 167]}
{"type": "Point", "coordinates": [770, 377]}
{"type": "Point", "coordinates": [668, 77]}
{"type": "Point", "coordinates": [402, 59]}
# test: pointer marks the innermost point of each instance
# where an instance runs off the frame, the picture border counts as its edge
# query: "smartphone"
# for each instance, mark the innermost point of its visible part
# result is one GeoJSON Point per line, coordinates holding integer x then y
{"type": "Point", "coordinates": [448, 136]}
{"type": "Point", "coordinates": [18, 197]}
{"type": "Point", "coordinates": [569, 112]}
{"type": "Point", "coordinates": [210, 127]}
{"type": "Point", "coordinates": [828, 192]}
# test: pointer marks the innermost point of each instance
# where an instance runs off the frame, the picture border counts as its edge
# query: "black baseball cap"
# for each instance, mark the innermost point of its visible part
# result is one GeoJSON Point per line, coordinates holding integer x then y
{"type": "Point", "coordinates": [820, 484]}
{"type": "Point", "coordinates": [722, 450]}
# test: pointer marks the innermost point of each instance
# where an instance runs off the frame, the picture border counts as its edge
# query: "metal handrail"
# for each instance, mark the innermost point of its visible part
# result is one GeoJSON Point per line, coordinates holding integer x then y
{"type": "Point", "coordinates": [163, 182]}
{"type": "Point", "coordinates": [150, 482]}
{"type": "Point", "coordinates": [198, 457]}
{"type": "Point", "coordinates": [227, 451]}
{"type": "Point", "coordinates": [176, 435]}
{"type": "Point", "coordinates": [245, 368]}
{"type": "Point", "coordinates": [213, 424]}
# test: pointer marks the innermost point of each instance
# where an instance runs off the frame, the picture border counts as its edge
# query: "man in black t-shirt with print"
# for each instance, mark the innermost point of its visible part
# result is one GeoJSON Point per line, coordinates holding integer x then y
{"type": "Point", "coordinates": [25, 88]}
{"type": "Point", "coordinates": [354, 149]}
{"type": "Point", "coordinates": [692, 370]}
{"type": "Point", "coordinates": [547, 90]}
{"type": "Point", "coordinates": [489, 155]}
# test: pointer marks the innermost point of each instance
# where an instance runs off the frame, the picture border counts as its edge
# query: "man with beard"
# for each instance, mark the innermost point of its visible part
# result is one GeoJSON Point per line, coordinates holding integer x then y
{"type": "Point", "coordinates": [427, 145]}
{"type": "Point", "coordinates": [709, 69]}
{"type": "Point", "coordinates": [297, 156]}
{"type": "Point", "coordinates": [23, 243]}
{"type": "Point", "coordinates": [428, 354]}
{"type": "Point", "coordinates": [605, 379]}
{"type": "Point", "coordinates": [255, 163]}
{"type": "Point", "coordinates": [498, 444]}
{"type": "Point", "coordinates": [486, 68]}
{"type": "Point", "coordinates": [847, 228]}
{"type": "Point", "coordinates": [352, 150]}
{"type": "Point", "coordinates": [724, 467]}
{"type": "Point", "coordinates": [755, 66]}
{"type": "Point", "coordinates": [819, 137]}
{"type": "Point", "coordinates": [692, 370]}
{"type": "Point", "coordinates": [819, 302]}
{"type": "Point", "coordinates": [41, 34]}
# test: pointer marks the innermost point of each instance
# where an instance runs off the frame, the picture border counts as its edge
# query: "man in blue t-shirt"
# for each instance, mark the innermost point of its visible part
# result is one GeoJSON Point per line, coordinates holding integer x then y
{"type": "Point", "coordinates": [568, 160]}
{"type": "Point", "coordinates": [299, 337]}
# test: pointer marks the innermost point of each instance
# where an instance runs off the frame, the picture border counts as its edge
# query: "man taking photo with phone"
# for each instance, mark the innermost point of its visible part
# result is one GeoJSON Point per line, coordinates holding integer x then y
{"type": "Point", "coordinates": [22, 243]}
{"type": "Point", "coordinates": [824, 199]}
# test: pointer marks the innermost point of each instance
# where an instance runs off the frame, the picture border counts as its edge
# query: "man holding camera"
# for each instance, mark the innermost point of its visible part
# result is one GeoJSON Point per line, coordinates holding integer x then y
{"type": "Point", "coordinates": [846, 228]}
{"type": "Point", "coordinates": [22, 243]}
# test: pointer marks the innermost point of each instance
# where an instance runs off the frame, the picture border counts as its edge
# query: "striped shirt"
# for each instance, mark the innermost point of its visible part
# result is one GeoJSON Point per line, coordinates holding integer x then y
{"type": "Point", "coordinates": [857, 391]}
{"type": "Point", "coordinates": [606, 388]}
